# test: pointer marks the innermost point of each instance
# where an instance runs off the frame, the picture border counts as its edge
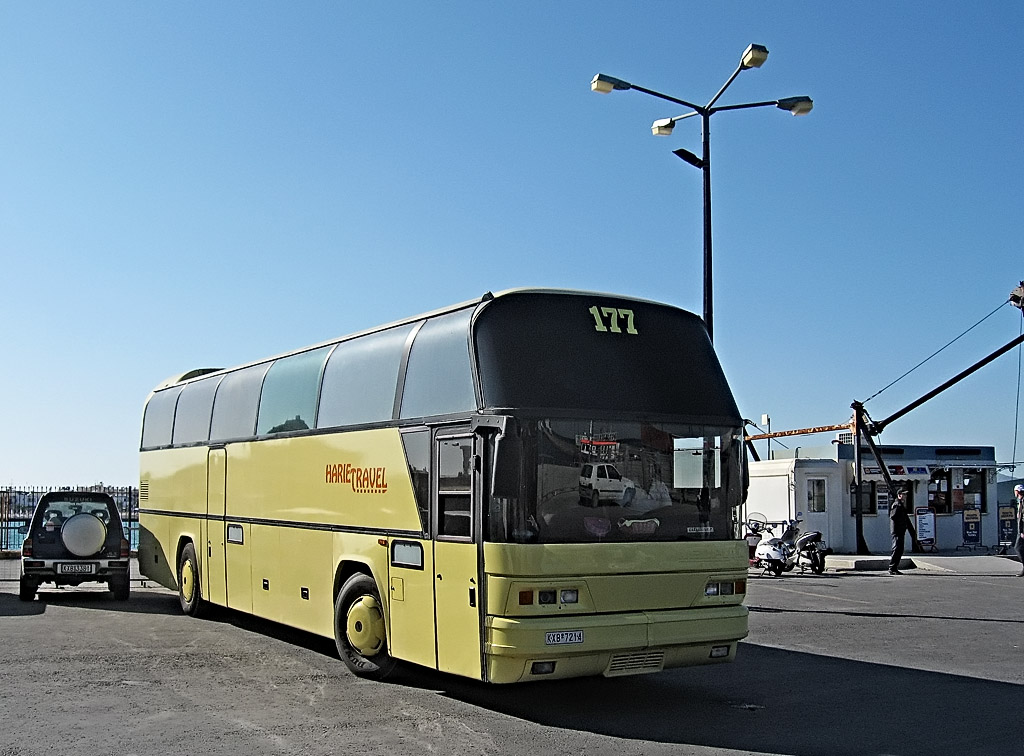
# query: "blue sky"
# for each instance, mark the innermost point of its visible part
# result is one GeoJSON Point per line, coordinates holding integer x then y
{"type": "Point", "coordinates": [204, 184]}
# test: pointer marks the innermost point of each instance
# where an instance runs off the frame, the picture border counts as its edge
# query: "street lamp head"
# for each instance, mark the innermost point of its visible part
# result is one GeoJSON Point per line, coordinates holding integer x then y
{"type": "Point", "coordinates": [690, 158]}
{"type": "Point", "coordinates": [796, 105]}
{"type": "Point", "coordinates": [605, 84]}
{"type": "Point", "coordinates": [663, 127]}
{"type": "Point", "coordinates": [754, 56]}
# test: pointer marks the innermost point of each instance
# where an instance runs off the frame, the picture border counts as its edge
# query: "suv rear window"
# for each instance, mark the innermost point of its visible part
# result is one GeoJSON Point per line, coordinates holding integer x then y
{"type": "Point", "coordinates": [55, 509]}
{"type": "Point", "coordinates": [60, 510]}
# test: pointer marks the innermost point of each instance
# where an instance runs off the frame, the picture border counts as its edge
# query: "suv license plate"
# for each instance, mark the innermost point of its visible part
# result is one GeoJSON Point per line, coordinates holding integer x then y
{"type": "Point", "coordinates": [563, 637]}
{"type": "Point", "coordinates": [76, 569]}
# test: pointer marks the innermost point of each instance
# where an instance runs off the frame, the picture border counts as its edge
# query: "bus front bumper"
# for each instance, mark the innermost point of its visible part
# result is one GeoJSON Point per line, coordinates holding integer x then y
{"type": "Point", "coordinates": [581, 645]}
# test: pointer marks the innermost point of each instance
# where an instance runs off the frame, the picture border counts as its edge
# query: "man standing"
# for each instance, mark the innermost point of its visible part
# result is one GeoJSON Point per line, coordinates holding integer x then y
{"type": "Point", "coordinates": [1018, 492]}
{"type": "Point", "coordinates": [899, 523]}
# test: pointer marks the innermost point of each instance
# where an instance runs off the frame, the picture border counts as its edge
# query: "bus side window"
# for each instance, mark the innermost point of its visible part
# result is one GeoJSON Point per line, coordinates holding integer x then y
{"type": "Point", "coordinates": [454, 487]}
{"type": "Point", "coordinates": [236, 402]}
{"type": "Point", "coordinates": [417, 455]}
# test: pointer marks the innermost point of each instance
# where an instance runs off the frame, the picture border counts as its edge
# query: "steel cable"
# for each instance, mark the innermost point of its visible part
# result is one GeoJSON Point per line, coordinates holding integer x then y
{"type": "Point", "coordinates": [937, 352]}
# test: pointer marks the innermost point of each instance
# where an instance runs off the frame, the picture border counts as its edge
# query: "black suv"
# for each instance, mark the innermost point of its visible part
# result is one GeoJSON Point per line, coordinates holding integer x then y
{"type": "Point", "coordinates": [75, 537]}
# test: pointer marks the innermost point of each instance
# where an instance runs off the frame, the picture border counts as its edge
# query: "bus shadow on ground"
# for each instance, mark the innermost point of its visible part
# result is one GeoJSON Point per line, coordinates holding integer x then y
{"type": "Point", "coordinates": [283, 633]}
{"type": "Point", "coordinates": [769, 701]}
{"type": "Point", "coordinates": [775, 701]}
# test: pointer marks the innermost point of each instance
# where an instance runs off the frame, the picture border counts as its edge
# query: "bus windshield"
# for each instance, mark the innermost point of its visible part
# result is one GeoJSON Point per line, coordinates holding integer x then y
{"type": "Point", "coordinates": [592, 481]}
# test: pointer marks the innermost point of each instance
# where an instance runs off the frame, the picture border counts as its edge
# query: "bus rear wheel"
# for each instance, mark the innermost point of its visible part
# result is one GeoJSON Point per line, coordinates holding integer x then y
{"type": "Point", "coordinates": [359, 630]}
{"type": "Point", "coordinates": [189, 595]}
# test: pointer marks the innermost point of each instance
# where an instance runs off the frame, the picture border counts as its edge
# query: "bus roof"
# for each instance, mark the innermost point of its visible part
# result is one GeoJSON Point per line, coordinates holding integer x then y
{"type": "Point", "coordinates": [190, 375]}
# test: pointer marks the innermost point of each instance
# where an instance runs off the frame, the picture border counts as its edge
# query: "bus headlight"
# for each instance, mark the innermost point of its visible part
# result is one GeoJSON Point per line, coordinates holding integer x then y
{"type": "Point", "coordinates": [549, 596]}
{"type": "Point", "coordinates": [726, 588]}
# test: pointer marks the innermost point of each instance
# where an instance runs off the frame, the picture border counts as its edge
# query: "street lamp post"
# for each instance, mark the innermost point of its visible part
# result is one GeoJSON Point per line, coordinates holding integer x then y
{"type": "Point", "coordinates": [753, 57]}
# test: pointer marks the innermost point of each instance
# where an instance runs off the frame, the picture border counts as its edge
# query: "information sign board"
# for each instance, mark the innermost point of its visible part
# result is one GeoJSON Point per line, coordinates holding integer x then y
{"type": "Point", "coordinates": [925, 523]}
{"type": "Point", "coordinates": [972, 527]}
{"type": "Point", "coordinates": [1007, 525]}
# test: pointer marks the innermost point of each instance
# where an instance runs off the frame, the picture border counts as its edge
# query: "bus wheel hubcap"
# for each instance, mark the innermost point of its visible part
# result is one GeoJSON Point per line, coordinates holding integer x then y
{"type": "Point", "coordinates": [365, 626]}
{"type": "Point", "coordinates": [188, 581]}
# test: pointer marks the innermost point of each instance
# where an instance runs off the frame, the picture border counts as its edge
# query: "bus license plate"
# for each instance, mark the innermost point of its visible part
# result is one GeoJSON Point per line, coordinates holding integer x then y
{"type": "Point", "coordinates": [563, 637]}
{"type": "Point", "coordinates": [76, 569]}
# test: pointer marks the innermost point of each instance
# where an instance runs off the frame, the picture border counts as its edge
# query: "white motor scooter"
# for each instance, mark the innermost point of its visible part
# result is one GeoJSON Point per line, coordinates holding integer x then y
{"type": "Point", "coordinates": [778, 554]}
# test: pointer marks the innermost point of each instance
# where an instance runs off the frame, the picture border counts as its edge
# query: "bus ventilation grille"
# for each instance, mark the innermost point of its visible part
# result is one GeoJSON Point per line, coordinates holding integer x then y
{"type": "Point", "coordinates": [635, 664]}
{"type": "Point", "coordinates": [144, 490]}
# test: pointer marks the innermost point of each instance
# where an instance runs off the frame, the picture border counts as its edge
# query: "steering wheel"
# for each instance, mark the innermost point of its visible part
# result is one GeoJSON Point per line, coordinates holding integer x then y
{"type": "Point", "coordinates": [757, 522]}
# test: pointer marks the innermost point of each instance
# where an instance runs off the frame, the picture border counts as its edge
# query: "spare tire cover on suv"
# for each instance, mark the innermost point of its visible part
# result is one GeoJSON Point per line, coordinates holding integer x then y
{"type": "Point", "coordinates": [83, 534]}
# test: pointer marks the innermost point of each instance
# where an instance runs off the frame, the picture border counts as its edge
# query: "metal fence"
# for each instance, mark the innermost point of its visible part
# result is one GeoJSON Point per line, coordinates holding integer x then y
{"type": "Point", "coordinates": [17, 503]}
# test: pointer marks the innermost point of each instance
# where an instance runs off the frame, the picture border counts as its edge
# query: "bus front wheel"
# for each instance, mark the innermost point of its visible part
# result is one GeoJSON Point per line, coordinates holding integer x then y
{"type": "Point", "coordinates": [188, 582]}
{"type": "Point", "coordinates": [359, 630]}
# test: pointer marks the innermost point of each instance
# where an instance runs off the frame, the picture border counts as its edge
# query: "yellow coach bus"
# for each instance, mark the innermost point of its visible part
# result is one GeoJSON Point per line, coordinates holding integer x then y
{"type": "Point", "coordinates": [537, 484]}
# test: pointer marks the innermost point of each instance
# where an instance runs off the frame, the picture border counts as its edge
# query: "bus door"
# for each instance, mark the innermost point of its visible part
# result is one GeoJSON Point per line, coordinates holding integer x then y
{"type": "Point", "coordinates": [237, 558]}
{"type": "Point", "coordinates": [457, 596]}
{"type": "Point", "coordinates": [411, 567]}
{"type": "Point", "coordinates": [213, 585]}
{"type": "Point", "coordinates": [411, 606]}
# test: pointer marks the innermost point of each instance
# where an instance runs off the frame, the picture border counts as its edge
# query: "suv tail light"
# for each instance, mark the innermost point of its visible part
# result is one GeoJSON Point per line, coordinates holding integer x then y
{"type": "Point", "coordinates": [125, 549]}
{"type": "Point", "coordinates": [26, 548]}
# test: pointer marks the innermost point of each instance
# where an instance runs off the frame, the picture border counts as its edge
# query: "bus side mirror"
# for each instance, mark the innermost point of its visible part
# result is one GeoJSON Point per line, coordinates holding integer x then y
{"type": "Point", "coordinates": [505, 474]}
{"type": "Point", "coordinates": [505, 467]}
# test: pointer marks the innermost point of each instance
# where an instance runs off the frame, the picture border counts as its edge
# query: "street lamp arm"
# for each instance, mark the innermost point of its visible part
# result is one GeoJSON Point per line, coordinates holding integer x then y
{"type": "Point", "coordinates": [676, 100]}
{"type": "Point", "coordinates": [604, 84]}
{"type": "Point", "coordinates": [684, 116]}
{"type": "Point", "coordinates": [725, 86]}
{"type": "Point", "coordinates": [745, 105]}
{"type": "Point", "coordinates": [795, 105]}
{"type": "Point", "coordinates": [753, 57]}
{"type": "Point", "coordinates": [664, 126]}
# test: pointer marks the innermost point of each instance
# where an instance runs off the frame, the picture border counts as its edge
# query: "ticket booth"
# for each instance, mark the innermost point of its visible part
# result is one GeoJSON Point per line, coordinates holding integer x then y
{"type": "Point", "coordinates": [818, 485]}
